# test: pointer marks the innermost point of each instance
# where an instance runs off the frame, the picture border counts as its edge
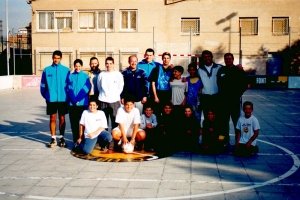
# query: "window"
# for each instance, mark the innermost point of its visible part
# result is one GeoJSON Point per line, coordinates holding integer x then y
{"type": "Point", "coordinates": [280, 25]}
{"type": "Point", "coordinates": [52, 21]}
{"type": "Point", "coordinates": [46, 20]}
{"type": "Point", "coordinates": [96, 20]}
{"type": "Point", "coordinates": [190, 24]}
{"type": "Point", "coordinates": [105, 20]}
{"type": "Point", "coordinates": [64, 20]}
{"type": "Point", "coordinates": [87, 20]}
{"type": "Point", "coordinates": [249, 25]}
{"type": "Point", "coordinates": [128, 20]}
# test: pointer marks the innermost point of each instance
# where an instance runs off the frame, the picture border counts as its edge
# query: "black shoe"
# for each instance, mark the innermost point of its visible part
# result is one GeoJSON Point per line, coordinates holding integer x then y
{"type": "Point", "coordinates": [76, 149]}
{"type": "Point", "coordinates": [62, 142]}
{"type": "Point", "coordinates": [52, 143]}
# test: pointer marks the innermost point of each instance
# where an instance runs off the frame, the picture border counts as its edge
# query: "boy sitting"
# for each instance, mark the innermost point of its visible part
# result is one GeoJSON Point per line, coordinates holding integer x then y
{"type": "Point", "coordinates": [247, 129]}
{"type": "Point", "coordinates": [149, 123]}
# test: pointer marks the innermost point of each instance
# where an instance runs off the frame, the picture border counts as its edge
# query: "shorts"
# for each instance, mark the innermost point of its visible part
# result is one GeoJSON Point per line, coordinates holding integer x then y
{"type": "Point", "coordinates": [54, 107]}
{"type": "Point", "coordinates": [128, 131]}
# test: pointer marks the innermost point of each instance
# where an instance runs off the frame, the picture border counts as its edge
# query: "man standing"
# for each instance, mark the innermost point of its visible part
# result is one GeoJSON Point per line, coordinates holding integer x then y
{"type": "Point", "coordinates": [110, 84]}
{"type": "Point", "coordinates": [135, 84]}
{"type": "Point", "coordinates": [232, 83]}
{"type": "Point", "coordinates": [160, 83]}
{"type": "Point", "coordinates": [148, 64]}
{"type": "Point", "coordinates": [93, 74]}
{"type": "Point", "coordinates": [208, 74]}
{"type": "Point", "coordinates": [53, 88]}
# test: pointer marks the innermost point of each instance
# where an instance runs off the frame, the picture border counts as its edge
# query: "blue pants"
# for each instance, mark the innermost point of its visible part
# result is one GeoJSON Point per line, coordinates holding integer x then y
{"type": "Point", "coordinates": [104, 138]}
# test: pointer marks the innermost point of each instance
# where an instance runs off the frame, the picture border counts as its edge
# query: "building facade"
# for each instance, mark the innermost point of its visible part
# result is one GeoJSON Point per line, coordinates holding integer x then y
{"type": "Point", "coordinates": [250, 29]}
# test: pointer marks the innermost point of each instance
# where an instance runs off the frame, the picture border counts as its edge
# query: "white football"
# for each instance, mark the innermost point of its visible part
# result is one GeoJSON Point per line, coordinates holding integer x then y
{"type": "Point", "coordinates": [128, 148]}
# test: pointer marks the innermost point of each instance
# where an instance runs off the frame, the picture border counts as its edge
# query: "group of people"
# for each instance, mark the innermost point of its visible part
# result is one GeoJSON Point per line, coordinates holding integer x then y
{"type": "Point", "coordinates": [150, 105]}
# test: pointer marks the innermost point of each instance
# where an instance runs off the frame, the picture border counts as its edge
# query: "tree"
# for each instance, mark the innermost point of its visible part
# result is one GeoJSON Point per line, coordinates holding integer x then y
{"type": "Point", "coordinates": [291, 59]}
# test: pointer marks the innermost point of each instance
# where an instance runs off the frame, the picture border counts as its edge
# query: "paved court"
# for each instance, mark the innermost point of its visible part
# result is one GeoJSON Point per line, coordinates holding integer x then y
{"type": "Point", "coordinates": [30, 170]}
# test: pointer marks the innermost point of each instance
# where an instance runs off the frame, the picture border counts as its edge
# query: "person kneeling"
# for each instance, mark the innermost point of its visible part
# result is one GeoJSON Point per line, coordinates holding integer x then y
{"type": "Point", "coordinates": [92, 130]}
{"type": "Point", "coordinates": [247, 129]}
{"type": "Point", "coordinates": [128, 133]}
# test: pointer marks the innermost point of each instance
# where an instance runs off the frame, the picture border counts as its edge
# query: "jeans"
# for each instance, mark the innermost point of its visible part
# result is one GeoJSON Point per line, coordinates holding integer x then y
{"type": "Point", "coordinates": [104, 138]}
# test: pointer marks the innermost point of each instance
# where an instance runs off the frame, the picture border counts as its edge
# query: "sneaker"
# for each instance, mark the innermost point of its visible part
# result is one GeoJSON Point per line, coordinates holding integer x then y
{"type": "Point", "coordinates": [52, 143]}
{"type": "Point", "coordinates": [62, 142]}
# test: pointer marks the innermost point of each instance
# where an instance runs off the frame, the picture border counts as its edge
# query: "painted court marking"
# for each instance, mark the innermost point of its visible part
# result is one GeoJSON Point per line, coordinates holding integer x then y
{"type": "Point", "coordinates": [288, 173]}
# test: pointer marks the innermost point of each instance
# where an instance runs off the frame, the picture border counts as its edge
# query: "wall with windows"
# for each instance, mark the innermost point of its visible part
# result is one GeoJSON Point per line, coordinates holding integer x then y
{"type": "Point", "coordinates": [119, 28]}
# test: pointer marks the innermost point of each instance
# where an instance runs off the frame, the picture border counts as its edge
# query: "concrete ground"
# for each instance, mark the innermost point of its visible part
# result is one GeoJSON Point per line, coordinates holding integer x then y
{"type": "Point", "coordinates": [30, 170]}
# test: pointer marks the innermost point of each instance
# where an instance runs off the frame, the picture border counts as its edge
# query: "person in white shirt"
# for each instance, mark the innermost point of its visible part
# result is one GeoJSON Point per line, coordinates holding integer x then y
{"type": "Point", "coordinates": [208, 74]}
{"type": "Point", "coordinates": [179, 88]}
{"type": "Point", "coordinates": [247, 130]}
{"type": "Point", "coordinates": [92, 129]}
{"type": "Point", "coordinates": [128, 119]}
{"type": "Point", "coordinates": [110, 85]}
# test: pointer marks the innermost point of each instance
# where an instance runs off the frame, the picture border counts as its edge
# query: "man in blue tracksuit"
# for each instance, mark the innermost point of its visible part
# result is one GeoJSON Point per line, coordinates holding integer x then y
{"type": "Point", "coordinates": [53, 88]}
{"type": "Point", "coordinates": [148, 64]}
{"type": "Point", "coordinates": [78, 88]}
{"type": "Point", "coordinates": [135, 84]}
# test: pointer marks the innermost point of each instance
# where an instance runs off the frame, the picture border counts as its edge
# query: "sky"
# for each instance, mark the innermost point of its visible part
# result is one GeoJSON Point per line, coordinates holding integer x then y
{"type": "Point", "coordinates": [19, 14]}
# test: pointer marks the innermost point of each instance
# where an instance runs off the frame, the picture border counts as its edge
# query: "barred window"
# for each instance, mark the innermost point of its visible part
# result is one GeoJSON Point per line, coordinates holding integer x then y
{"type": "Point", "coordinates": [249, 25]}
{"type": "Point", "coordinates": [128, 20]}
{"type": "Point", "coordinates": [52, 20]}
{"type": "Point", "coordinates": [280, 25]}
{"type": "Point", "coordinates": [190, 24]}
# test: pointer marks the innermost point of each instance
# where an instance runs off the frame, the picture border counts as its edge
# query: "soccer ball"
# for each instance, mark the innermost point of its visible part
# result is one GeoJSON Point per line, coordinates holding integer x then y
{"type": "Point", "coordinates": [128, 148]}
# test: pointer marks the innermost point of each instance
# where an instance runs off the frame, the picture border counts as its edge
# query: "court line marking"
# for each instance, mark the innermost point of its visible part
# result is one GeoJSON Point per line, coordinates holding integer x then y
{"type": "Point", "coordinates": [254, 185]}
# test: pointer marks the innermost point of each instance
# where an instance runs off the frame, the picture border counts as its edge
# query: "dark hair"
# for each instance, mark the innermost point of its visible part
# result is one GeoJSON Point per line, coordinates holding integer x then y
{"type": "Point", "coordinates": [166, 54]}
{"type": "Point", "coordinates": [57, 53]}
{"type": "Point", "coordinates": [93, 58]}
{"type": "Point", "coordinates": [149, 50]}
{"type": "Point", "coordinates": [192, 65]}
{"type": "Point", "coordinates": [178, 68]}
{"type": "Point", "coordinates": [190, 107]}
{"type": "Point", "coordinates": [129, 98]}
{"type": "Point", "coordinates": [94, 98]}
{"type": "Point", "coordinates": [78, 61]}
{"type": "Point", "coordinates": [148, 105]}
{"type": "Point", "coordinates": [210, 109]}
{"type": "Point", "coordinates": [110, 58]}
{"type": "Point", "coordinates": [228, 54]}
{"type": "Point", "coordinates": [169, 103]}
{"type": "Point", "coordinates": [247, 103]}
{"type": "Point", "coordinates": [206, 52]}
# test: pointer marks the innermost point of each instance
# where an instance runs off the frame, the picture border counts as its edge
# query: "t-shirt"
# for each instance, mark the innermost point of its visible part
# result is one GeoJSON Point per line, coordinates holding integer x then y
{"type": "Point", "coordinates": [247, 126]}
{"type": "Point", "coordinates": [110, 86]}
{"type": "Point", "coordinates": [128, 119]}
{"type": "Point", "coordinates": [92, 121]}
{"type": "Point", "coordinates": [178, 91]}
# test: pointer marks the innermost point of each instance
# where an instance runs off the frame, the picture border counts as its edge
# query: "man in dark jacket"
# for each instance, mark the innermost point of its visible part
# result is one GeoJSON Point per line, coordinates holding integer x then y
{"type": "Point", "coordinates": [135, 83]}
{"type": "Point", "coordinates": [232, 83]}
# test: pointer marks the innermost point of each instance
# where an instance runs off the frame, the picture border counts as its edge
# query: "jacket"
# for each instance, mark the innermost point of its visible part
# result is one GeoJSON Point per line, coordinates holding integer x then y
{"type": "Point", "coordinates": [53, 85]}
{"type": "Point", "coordinates": [135, 84]}
{"type": "Point", "coordinates": [78, 88]}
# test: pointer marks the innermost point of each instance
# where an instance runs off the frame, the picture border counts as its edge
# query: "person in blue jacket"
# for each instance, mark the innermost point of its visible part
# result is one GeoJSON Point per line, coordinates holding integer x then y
{"type": "Point", "coordinates": [53, 88]}
{"type": "Point", "coordinates": [135, 84]}
{"type": "Point", "coordinates": [78, 89]}
{"type": "Point", "coordinates": [148, 64]}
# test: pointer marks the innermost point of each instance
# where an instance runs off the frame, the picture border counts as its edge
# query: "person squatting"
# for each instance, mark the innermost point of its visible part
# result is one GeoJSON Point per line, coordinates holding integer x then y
{"type": "Point", "coordinates": [151, 106]}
